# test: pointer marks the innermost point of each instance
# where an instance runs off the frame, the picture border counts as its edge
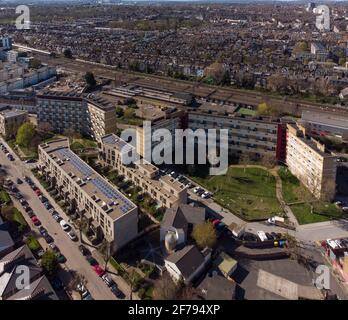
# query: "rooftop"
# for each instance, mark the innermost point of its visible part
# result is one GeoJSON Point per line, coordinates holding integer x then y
{"type": "Point", "coordinates": [105, 195]}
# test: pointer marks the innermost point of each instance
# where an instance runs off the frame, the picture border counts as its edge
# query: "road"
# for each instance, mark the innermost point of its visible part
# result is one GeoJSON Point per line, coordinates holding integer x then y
{"type": "Point", "coordinates": [75, 260]}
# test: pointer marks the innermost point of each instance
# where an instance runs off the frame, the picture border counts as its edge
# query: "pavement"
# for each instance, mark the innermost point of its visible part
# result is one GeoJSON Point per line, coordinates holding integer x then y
{"type": "Point", "coordinates": [75, 260]}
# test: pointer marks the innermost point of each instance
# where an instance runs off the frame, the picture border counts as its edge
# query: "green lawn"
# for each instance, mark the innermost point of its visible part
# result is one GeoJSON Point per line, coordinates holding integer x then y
{"type": "Point", "coordinates": [293, 191]}
{"type": "Point", "coordinates": [321, 212]}
{"type": "Point", "coordinates": [249, 192]}
{"type": "Point", "coordinates": [32, 243]}
{"type": "Point", "coordinates": [18, 217]}
{"type": "Point", "coordinates": [4, 197]}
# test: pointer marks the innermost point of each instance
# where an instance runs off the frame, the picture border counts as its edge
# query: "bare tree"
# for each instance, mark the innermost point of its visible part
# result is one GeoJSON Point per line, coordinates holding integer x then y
{"type": "Point", "coordinates": [165, 288]}
{"type": "Point", "coordinates": [244, 159]}
{"type": "Point", "coordinates": [105, 251]}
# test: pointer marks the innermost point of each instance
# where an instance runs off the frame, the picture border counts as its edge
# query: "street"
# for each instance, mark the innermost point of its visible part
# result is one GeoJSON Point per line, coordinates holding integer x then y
{"type": "Point", "coordinates": [75, 260]}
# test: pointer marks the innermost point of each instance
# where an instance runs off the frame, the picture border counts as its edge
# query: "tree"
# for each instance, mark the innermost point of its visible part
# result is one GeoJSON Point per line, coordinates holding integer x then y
{"type": "Point", "coordinates": [263, 109]}
{"type": "Point", "coordinates": [68, 53]}
{"type": "Point", "coordinates": [268, 160]}
{"type": "Point", "coordinates": [35, 63]}
{"type": "Point", "coordinates": [105, 251]}
{"type": "Point", "coordinates": [25, 134]}
{"type": "Point", "coordinates": [44, 128]}
{"type": "Point", "coordinates": [119, 112]}
{"type": "Point", "coordinates": [205, 235]}
{"type": "Point", "coordinates": [49, 262]}
{"type": "Point", "coordinates": [90, 80]}
{"type": "Point", "coordinates": [129, 113]}
{"type": "Point", "coordinates": [165, 288]}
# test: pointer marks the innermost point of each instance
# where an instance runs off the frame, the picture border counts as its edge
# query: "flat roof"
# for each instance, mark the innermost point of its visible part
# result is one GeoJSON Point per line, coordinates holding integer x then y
{"type": "Point", "coordinates": [97, 187]}
{"type": "Point", "coordinates": [10, 113]}
{"type": "Point", "coordinates": [327, 119]}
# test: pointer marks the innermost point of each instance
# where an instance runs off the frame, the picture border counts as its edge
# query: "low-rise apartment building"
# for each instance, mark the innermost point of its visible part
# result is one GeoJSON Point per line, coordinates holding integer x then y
{"type": "Point", "coordinates": [310, 163]}
{"type": "Point", "coordinates": [88, 115]}
{"type": "Point", "coordinates": [164, 189]}
{"type": "Point", "coordinates": [108, 212]}
{"type": "Point", "coordinates": [11, 120]}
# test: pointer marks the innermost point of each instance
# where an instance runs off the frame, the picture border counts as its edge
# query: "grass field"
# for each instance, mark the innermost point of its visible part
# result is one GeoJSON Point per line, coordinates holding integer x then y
{"type": "Point", "coordinates": [321, 212]}
{"type": "Point", "coordinates": [249, 192]}
{"type": "Point", "coordinates": [293, 191]}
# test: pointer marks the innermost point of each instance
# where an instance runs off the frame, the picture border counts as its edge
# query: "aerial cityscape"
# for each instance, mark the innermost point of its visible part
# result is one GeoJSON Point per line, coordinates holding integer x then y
{"type": "Point", "coordinates": [173, 150]}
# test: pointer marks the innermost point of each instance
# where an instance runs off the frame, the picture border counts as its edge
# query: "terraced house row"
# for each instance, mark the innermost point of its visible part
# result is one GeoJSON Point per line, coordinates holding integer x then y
{"type": "Point", "coordinates": [107, 211]}
{"type": "Point", "coordinates": [167, 191]}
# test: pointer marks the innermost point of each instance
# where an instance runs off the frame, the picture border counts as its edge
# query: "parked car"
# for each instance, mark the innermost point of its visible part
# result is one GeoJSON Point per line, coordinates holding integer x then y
{"type": "Point", "coordinates": [64, 225]}
{"type": "Point", "coordinates": [35, 220]}
{"type": "Point", "coordinates": [200, 192]}
{"type": "Point", "coordinates": [72, 236]}
{"type": "Point", "coordinates": [47, 205]}
{"type": "Point", "coordinates": [54, 247]}
{"type": "Point", "coordinates": [38, 192]}
{"type": "Point", "coordinates": [57, 217]}
{"type": "Point", "coordinates": [206, 195]}
{"type": "Point", "coordinates": [42, 230]}
{"type": "Point", "coordinates": [60, 257]}
{"type": "Point", "coordinates": [19, 181]}
{"type": "Point", "coordinates": [261, 235]}
{"type": "Point", "coordinates": [109, 282]}
{"type": "Point", "coordinates": [84, 250]}
{"type": "Point", "coordinates": [117, 292]}
{"type": "Point", "coordinates": [98, 270]}
{"type": "Point", "coordinates": [48, 238]}
{"type": "Point", "coordinates": [91, 261]}
{"type": "Point", "coordinates": [30, 213]}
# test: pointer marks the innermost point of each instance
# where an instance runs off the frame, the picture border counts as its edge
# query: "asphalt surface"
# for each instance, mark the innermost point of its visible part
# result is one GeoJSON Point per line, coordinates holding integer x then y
{"type": "Point", "coordinates": [75, 260]}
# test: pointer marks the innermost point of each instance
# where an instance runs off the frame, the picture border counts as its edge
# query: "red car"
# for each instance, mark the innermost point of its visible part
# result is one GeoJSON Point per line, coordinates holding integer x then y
{"type": "Point", "coordinates": [38, 192]}
{"type": "Point", "coordinates": [35, 220]}
{"type": "Point", "coordinates": [216, 222]}
{"type": "Point", "coordinates": [98, 270]}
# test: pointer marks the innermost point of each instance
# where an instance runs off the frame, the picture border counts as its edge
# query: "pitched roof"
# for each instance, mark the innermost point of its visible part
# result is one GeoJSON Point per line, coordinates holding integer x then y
{"type": "Point", "coordinates": [5, 239]}
{"type": "Point", "coordinates": [187, 260]}
{"type": "Point", "coordinates": [23, 253]}
{"type": "Point", "coordinates": [40, 289]}
{"type": "Point", "coordinates": [180, 216]}
{"type": "Point", "coordinates": [8, 280]}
